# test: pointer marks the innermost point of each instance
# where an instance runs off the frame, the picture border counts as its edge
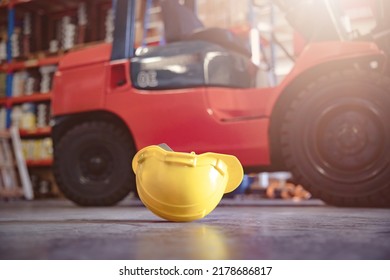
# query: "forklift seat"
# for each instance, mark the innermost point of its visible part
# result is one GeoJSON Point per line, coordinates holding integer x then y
{"type": "Point", "coordinates": [188, 27]}
{"type": "Point", "coordinates": [221, 37]}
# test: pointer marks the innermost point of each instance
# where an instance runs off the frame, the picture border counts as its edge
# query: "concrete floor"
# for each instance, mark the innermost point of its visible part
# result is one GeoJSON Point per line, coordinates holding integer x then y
{"type": "Point", "coordinates": [237, 229]}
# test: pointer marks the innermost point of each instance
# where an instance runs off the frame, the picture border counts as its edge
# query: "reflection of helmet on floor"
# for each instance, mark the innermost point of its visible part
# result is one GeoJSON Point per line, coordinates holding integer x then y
{"type": "Point", "coordinates": [184, 186]}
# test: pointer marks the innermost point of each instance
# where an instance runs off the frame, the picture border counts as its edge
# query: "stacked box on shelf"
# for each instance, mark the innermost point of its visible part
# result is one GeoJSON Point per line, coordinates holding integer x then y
{"type": "Point", "coordinates": [21, 37]}
{"type": "Point", "coordinates": [33, 80]}
{"type": "Point", "coordinates": [3, 44]}
{"type": "Point", "coordinates": [41, 25]}
{"type": "Point", "coordinates": [3, 51]}
{"type": "Point", "coordinates": [37, 149]}
{"type": "Point", "coordinates": [47, 74]}
{"type": "Point", "coordinates": [23, 116]}
{"type": "Point", "coordinates": [82, 21]}
{"type": "Point", "coordinates": [31, 116]}
{"type": "Point", "coordinates": [18, 83]}
{"type": "Point", "coordinates": [109, 26]}
{"type": "Point", "coordinates": [66, 33]}
{"type": "Point", "coordinates": [43, 115]}
{"type": "Point", "coordinates": [3, 118]}
{"type": "Point", "coordinates": [16, 43]}
{"type": "Point", "coordinates": [26, 39]}
{"type": "Point", "coordinates": [3, 80]}
{"type": "Point", "coordinates": [70, 30]}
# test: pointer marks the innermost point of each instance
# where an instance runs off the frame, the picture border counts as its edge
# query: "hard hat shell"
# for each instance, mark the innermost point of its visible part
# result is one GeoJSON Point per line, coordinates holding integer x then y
{"type": "Point", "coordinates": [184, 186]}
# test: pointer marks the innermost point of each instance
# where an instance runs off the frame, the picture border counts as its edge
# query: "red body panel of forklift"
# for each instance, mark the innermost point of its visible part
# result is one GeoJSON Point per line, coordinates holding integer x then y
{"type": "Point", "coordinates": [224, 120]}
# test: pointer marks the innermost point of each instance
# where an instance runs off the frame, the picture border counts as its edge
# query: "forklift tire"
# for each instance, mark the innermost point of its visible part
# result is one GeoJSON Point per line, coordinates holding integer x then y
{"type": "Point", "coordinates": [335, 139]}
{"type": "Point", "coordinates": [92, 164]}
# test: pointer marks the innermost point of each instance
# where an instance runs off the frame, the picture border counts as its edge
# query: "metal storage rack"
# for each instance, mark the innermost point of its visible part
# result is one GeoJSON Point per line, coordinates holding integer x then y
{"type": "Point", "coordinates": [44, 16]}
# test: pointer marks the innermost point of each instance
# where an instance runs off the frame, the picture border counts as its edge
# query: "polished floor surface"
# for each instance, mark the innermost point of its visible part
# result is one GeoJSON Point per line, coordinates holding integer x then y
{"type": "Point", "coordinates": [237, 229]}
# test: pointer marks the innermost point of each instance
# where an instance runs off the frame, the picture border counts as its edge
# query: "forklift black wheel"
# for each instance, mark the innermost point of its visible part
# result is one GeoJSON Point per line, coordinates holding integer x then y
{"type": "Point", "coordinates": [335, 139]}
{"type": "Point", "coordinates": [92, 164]}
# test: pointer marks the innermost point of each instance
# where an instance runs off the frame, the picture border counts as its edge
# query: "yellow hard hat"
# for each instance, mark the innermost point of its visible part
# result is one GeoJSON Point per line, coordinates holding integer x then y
{"type": "Point", "coordinates": [184, 186]}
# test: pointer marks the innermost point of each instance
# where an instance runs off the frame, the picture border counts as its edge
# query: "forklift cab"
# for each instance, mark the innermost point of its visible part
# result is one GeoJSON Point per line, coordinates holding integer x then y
{"type": "Point", "coordinates": [193, 56]}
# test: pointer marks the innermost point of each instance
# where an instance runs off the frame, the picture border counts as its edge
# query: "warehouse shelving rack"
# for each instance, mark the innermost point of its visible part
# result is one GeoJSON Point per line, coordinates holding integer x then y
{"type": "Point", "coordinates": [47, 13]}
{"type": "Point", "coordinates": [10, 67]}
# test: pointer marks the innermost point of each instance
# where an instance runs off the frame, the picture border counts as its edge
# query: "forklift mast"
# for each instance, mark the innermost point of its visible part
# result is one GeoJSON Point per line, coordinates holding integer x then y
{"type": "Point", "coordinates": [124, 32]}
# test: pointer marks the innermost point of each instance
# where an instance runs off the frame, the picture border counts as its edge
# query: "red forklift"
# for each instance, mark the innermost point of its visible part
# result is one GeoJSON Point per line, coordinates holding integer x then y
{"type": "Point", "coordinates": [326, 122]}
